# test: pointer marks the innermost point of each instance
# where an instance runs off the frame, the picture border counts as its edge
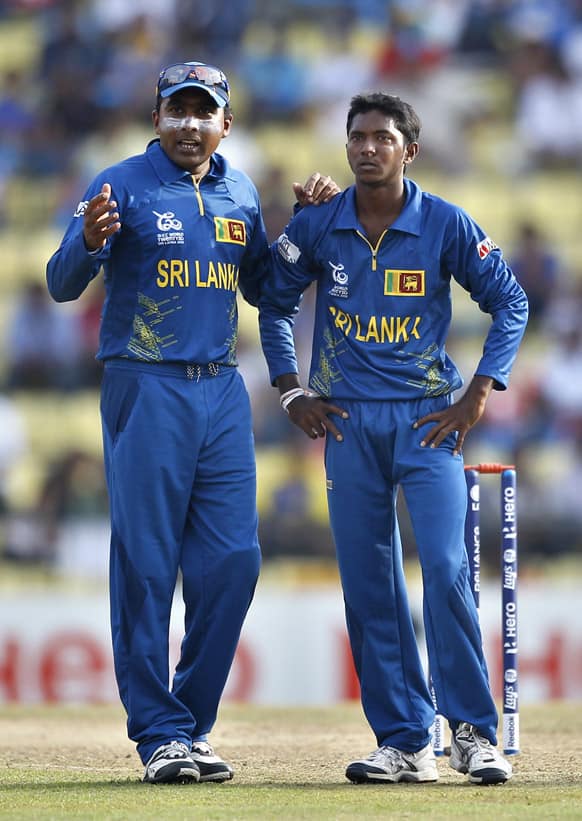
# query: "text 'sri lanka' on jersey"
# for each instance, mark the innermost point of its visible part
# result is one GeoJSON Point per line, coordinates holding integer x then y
{"type": "Point", "coordinates": [172, 272]}
{"type": "Point", "coordinates": [383, 311]}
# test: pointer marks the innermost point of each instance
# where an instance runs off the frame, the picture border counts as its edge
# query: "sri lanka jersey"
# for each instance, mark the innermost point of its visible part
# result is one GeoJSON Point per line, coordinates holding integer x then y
{"type": "Point", "coordinates": [172, 271]}
{"type": "Point", "coordinates": [383, 311]}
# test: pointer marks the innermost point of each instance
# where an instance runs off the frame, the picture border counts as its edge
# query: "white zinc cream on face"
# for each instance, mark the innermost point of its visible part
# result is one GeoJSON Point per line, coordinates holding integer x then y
{"type": "Point", "coordinates": [180, 122]}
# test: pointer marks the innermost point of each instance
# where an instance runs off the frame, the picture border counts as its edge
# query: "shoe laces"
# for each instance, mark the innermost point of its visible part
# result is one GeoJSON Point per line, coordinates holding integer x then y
{"type": "Point", "coordinates": [202, 747]}
{"type": "Point", "coordinates": [175, 749]}
{"type": "Point", "coordinates": [466, 732]}
{"type": "Point", "coordinates": [386, 755]}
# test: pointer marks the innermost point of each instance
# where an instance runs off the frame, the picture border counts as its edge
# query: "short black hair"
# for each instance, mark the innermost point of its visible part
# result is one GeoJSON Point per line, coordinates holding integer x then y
{"type": "Point", "coordinates": [405, 117]}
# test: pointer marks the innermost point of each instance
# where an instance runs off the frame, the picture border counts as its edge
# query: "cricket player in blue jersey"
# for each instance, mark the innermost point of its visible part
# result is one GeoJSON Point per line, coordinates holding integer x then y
{"type": "Point", "coordinates": [381, 387]}
{"type": "Point", "coordinates": [177, 231]}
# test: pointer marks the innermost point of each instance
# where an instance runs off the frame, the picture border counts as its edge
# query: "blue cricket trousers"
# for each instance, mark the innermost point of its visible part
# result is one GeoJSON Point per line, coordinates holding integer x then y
{"type": "Point", "coordinates": [180, 468]}
{"type": "Point", "coordinates": [380, 452]}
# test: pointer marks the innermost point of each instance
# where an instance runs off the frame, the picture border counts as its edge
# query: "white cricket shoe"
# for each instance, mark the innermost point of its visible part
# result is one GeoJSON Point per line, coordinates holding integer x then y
{"type": "Point", "coordinates": [387, 764]}
{"type": "Point", "coordinates": [473, 754]}
{"type": "Point", "coordinates": [171, 764]}
{"type": "Point", "coordinates": [211, 766]}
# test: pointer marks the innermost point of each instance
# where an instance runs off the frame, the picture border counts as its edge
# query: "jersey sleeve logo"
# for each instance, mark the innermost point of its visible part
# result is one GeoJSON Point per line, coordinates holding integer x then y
{"type": "Point", "coordinates": [81, 208]}
{"type": "Point", "coordinates": [287, 249]}
{"type": "Point", "coordinates": [230, 231]}
{"type": "Point", "coordinates": [403, 283]}
{"type": "Point", "coordinates": [485, 247]}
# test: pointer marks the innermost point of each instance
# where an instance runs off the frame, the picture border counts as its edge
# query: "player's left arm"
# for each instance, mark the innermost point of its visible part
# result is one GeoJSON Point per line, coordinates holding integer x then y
{"type": "Point", "coordinates": [254, 267]}
{"type": "Point", "coordinates": [461, 416]}
{"type": "Point", "coordinates": [317, 189]}
{"type": "Point", "coordinates": [478, 265]}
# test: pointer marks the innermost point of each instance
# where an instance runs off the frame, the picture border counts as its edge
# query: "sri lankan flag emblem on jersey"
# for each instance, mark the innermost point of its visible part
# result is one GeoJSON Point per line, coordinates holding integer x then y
{"type": "Point", "coordinates": [230, 231]}
{"type": "Point", "coordinates": [403, 283]}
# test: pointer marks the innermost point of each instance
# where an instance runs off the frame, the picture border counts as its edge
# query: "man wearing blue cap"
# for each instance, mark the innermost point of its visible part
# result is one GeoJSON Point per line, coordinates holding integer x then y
{"type": "Point", "coordinates": [177, 231]}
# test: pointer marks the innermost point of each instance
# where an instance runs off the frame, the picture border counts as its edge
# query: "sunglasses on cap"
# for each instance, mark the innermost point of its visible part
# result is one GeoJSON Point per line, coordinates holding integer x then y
{"type": "Point", "coordinates": [187, 75]}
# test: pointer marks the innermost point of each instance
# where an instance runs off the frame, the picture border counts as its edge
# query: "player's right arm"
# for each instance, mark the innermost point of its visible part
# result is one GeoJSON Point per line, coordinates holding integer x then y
{"type": "Point", "coordinates": [86, 244]}
{"type": "Point", "coordinates": [307, 410]}
{"type": "Point", "coordinates": [293, 269]}
{"type": "Point", "coordinates": [101, 220]}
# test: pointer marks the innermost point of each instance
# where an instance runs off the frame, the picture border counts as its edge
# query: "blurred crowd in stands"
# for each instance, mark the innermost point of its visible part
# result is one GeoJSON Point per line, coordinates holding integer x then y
{"type": "Point", "coordinates": [498, 85]}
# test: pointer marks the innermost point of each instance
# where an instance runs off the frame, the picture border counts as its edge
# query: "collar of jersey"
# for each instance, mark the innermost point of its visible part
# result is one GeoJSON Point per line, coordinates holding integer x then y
{"type": "Point", "coordinates": [168, 171]}
{"type": "Point", "coordinates": [408, 221]}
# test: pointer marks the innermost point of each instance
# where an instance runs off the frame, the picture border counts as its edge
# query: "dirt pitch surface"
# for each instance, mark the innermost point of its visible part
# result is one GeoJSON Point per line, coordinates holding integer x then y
{"type": "Point", "coordinates": [279, 748]}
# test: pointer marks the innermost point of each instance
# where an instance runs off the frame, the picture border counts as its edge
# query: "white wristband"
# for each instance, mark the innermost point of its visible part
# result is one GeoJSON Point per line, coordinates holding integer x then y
{"type": "Point", "coordinates": [286, 398]}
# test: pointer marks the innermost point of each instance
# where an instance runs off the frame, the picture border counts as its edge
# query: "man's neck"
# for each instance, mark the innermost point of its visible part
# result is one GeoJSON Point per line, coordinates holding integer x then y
{"type": "Point", "coordinates": [386, 197]}
{"type": "Point", "coordinates": [378, 207]}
